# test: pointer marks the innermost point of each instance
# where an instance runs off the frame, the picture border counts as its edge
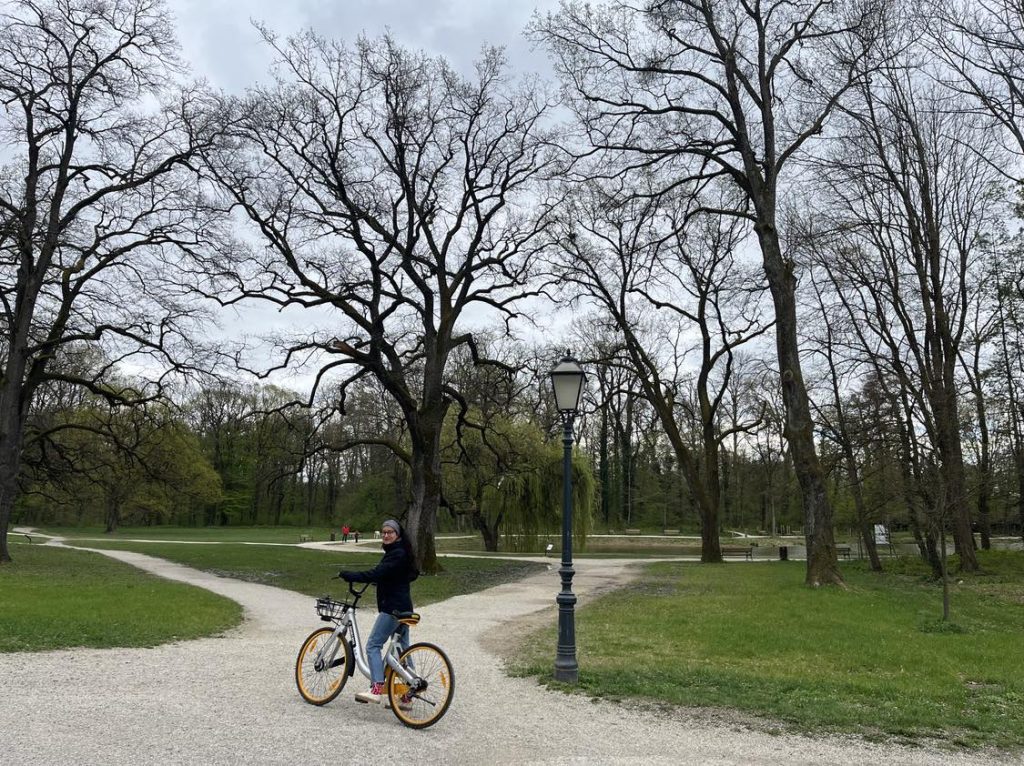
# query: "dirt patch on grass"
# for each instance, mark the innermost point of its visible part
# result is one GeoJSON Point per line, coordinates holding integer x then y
{"type": "Point", "coordinates": [507, 639]}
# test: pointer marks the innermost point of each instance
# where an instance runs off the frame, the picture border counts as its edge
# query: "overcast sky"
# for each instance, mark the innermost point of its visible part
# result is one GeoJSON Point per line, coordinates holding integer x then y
{"type": "Point", "coordinates": [219, 40]}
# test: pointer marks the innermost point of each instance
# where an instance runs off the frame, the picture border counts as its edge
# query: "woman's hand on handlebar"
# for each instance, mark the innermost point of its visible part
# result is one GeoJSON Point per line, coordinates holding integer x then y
{"type": "Point", "coordinates": [346, 575]}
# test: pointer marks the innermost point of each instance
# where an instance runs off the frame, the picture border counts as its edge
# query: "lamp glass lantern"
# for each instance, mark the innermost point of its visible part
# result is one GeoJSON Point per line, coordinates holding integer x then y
{"type": "Point", "coordinates": [567, 379]}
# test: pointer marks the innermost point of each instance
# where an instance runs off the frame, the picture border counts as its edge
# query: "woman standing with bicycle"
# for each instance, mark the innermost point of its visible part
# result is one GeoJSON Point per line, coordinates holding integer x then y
{"type": "Point", "coordinates": [392, 577]}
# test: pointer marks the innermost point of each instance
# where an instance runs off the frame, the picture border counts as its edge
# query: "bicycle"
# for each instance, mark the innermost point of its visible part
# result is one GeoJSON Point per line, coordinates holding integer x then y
{"type": "Point", "coordinates": [420, 681]}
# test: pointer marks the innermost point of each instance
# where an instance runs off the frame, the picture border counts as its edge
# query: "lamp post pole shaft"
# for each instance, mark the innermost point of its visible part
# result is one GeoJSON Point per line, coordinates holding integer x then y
{"type": "Point", "coordinates": [566, 667]}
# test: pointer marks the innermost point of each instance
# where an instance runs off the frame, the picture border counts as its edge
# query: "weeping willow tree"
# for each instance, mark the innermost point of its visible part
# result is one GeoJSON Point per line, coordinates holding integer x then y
{"type": "Point", "coordinates": [509, 484]}
{"type": "Point", "coordinates": [531, 502]}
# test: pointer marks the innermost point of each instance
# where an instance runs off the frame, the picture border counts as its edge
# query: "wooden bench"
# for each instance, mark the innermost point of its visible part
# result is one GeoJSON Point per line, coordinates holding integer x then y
{"type": "Point", "coordinates": [843, 551]}
{"type": "Point", "coordinates": [632, 531]}
{"type": "Point", "coordinates": [305, 538]}
{"type": "Point", "coordinates": [746, 551]}
{"type": "Point", "coordinates": [670, 531]}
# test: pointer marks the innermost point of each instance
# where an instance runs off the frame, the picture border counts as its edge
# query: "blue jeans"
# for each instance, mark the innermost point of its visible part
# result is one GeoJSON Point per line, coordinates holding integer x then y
{"type": "Point", "coordinates": [383, 627]}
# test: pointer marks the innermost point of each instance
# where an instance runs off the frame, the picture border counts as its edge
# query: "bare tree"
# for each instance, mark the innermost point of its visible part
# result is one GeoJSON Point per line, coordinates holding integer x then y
{"type": "Point", "coordinates": [671, 291]}
{"type": "Point", "coordinates": [705, 89]}
{"type": "Point", "coordinates": [396, 194]}
{"type": "Point", "coordinates": [95, 203]}
{"type": "Point", "coordinates": [615, 394]}
{"type": "Point", "coordinates": [983, 43]}
{"type": "Point", "coordinates": [842, 370]}
{"type": "Point", "coordinates": [1009, 369]}
{"type": "Point", "coordinates": [914, 193]}
{"type": "Point", "coordinates": [982, 318]}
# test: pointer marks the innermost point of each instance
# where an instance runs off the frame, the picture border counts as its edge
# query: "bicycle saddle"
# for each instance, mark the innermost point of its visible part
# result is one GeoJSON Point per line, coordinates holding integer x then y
{"type": "Point", "coordinates": [406, 618]}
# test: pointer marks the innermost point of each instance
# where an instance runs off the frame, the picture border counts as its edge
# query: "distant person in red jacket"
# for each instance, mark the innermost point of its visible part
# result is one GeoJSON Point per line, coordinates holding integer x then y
{"type": "Point", "coordinates": [344, 534]}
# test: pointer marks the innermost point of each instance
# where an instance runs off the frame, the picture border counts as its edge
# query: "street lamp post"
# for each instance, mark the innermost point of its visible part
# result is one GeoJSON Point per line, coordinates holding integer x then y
{"type": "Point", "coordinates": [567, 379]}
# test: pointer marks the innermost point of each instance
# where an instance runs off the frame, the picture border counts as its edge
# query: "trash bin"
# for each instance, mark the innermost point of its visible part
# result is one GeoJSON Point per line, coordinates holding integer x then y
{"type": "Point", "coordinates": [332, 537]}
{"type": "Point", "coordinates": [783, 553]}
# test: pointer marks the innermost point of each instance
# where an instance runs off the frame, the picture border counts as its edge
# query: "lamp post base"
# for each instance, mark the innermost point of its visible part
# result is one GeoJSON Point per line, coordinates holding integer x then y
{"type": "Point", "coordinates": [567, 675]}
{"type": "Point", "coordinates": [566, 667]}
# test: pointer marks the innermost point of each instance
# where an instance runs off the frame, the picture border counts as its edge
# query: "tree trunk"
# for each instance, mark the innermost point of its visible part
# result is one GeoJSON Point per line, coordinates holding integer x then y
{"type": "Point", "coordinates": [867, 535]}
{"type": "Point", "coordinates": [984, 523]}
{"type": "Point", "coordinates": [955, 483]}
{"type": "Point", "coordinates": [113, 515]}
{"type": "Point", "coordinates": [945, 578]}
{"type": "Point", "coordinates": [727, 490]}
{"type": "Point", "coordinates": [421, 523]}
{"type": "Point", "coordinates": [927, 541]}
{"type": "Point", "coordinates": [12, 422]}
{"type": "Point", "coordinates": [985, 458]}
{"type": "Point", "coordinates": [867, 532]}
{"type": "Point", "coordinates": [984, 485]}
{"type": "Point", "coordinates": [842, 433]}
{"type": "Point", "coordinates": [708, 500]}
{"type": "Point", "coordinates": [603, 472]}
{"type": "Point", "coordinates": [488, 532]}
{"type": "Point", "coordinates": [822, 562]}
{"type": "Point", "coordinates": [278, 500]}
{"type": "Point", "coordinates": [627, 462]}
{"type": "Point", "coordinates": [1019, 455]}
{"type": "Point", "coordinates": [6, 504]}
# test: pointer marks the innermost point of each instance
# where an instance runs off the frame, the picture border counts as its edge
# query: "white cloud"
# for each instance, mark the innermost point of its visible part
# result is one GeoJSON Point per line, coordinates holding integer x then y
{"type": "Point", "coordinates": [219, 40]}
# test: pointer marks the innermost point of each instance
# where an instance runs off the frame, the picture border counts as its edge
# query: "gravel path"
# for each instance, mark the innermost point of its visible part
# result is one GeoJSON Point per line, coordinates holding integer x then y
{"type": "Point", "coordinates": [232, 699]}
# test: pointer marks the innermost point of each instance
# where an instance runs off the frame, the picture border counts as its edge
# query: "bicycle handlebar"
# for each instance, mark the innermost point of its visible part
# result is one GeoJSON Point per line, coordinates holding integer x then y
{"type": "Point", "coordinates": [360, 592]}
{"type": "Point", "coordinates": [356, 594]}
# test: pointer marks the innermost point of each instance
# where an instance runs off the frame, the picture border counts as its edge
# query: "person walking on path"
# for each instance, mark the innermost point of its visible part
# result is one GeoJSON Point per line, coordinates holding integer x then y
{"type": "Point", "coordinates": [344, 534]}
{"type": "Point", "coordinates": [392, 576]}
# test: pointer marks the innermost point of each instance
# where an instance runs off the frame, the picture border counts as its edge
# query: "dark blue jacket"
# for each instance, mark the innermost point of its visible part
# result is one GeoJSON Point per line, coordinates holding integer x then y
{"type": "Point", "coordinates": [392, 577]}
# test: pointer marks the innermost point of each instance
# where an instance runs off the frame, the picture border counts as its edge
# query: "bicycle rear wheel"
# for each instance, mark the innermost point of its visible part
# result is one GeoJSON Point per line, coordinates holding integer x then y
{"type": "Point", "coordinates": [422, 705]}
{"type": "Point", "coordinates": [319, 679]}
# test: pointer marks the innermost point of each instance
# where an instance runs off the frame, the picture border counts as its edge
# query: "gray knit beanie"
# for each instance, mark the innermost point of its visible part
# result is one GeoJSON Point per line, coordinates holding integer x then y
{"type": "Point", "coordinates": [394, 525]}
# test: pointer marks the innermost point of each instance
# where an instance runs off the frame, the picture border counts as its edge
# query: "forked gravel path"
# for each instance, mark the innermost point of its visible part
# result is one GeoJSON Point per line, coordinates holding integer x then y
{"type": "Point", "coordinates": [232, 699]}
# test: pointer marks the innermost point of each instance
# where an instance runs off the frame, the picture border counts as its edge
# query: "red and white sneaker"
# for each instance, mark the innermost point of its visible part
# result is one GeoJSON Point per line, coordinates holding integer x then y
{"type": "Point", "coordinates": [374, 695]}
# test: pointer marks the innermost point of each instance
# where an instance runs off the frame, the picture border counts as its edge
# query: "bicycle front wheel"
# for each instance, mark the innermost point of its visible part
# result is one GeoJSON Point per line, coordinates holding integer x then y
{"type": "Point", "coordinates": [422, 705]}
{"type": "Point", "coordinates": [319, 677]}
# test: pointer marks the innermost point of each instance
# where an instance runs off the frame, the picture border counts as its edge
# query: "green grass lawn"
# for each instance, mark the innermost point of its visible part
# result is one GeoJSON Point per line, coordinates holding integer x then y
{"type": "Point", "coordinates": [596, 547]}
{"type": "Point", "coordinates": [873, 659]}
{"type": "Point", "coordinates": [197, 534]}
{"type": "Point", "coordinates": [53, 598]}
{"type": "Point", "coordinates": [311, 571]}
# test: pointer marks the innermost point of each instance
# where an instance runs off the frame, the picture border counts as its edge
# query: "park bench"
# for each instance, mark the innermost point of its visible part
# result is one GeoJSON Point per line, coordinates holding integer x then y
{"type": "Point", "coordinates": [632, 531]}
{"type": "Point", "coordinates": [843, 551]}
{"type": "Point", "coordinates": [747, 551]}
{"type": "Point", "coordinates": [305, 538]}
{"type": "Point", "coordinates": [670, 531]}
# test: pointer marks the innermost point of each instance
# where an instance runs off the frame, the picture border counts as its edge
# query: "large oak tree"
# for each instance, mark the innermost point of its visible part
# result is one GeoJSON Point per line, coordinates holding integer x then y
{"type": "Point", "coordinates": [96, 205]}
{"type": "Point", "coordinates": [397, 196]}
